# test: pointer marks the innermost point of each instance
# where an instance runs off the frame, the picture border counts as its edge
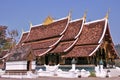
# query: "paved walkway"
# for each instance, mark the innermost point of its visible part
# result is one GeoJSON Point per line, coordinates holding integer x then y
{"type": "Point", "coordinates": [54, 78]}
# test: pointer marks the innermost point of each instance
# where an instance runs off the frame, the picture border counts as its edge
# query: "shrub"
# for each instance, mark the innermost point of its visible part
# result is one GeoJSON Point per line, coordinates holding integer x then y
{"type": "Point", "coordinates": [92, 74]}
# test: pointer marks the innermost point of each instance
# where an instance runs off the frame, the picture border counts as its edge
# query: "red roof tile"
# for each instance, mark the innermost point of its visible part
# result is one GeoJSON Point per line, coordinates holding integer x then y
{"type": "Point", "coordinates": [3, 53]}
{"type": "Point", "coordinates": [40, 51]}
{"type": "Point", "coordinates": [72, 30]}
{"type": "Point", "coordinates": [47, 31]}
{"type": "Point", "coordinates": [23, 37]}
{"type": "Point", "coordinates": [81, 51]}
{"type": "Point", "coordinates": [62, 46]}
{"type": "Point", "coordinates": [19, 53]}
{"type": "Point", "coordinates": [78, 40]}
{"type": "Point", "coordinates": [91, 33]}
{"type": "Point", "coordinates": [43, 43]}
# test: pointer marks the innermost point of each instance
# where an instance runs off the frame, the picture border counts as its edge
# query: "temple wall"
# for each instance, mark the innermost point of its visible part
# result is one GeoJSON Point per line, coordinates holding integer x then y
{"type": "Point", "coordinates": [33, 65]}
{"type": "Point", "coordinates": [18, 65]}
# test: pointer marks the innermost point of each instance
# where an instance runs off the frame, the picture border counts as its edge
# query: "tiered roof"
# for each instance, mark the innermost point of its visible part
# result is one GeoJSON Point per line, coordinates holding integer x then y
{"type": "Point", "coordinates": [70, 36]}
{"type": "Point", "coordinates": [73, 38]}
{"type": "Point", "coordinates": [47, 36]}
{"type": "Point", "coordinates": [89, 39]}
{"type": "Point", "coordinates": [41, 38]}
{"type": "Point", "coordinates": [73, 30]}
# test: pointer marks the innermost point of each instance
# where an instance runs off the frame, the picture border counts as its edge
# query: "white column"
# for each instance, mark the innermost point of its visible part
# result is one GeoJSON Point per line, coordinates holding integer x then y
{"type": "Point", "coordinates": [73, 67]}
{"type": "Point", "coordinates": [101, 68]}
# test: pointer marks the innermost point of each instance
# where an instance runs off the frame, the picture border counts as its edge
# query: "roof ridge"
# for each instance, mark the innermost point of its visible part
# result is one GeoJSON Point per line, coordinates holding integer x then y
{"type": "Point", "coordinates": [94, 21]}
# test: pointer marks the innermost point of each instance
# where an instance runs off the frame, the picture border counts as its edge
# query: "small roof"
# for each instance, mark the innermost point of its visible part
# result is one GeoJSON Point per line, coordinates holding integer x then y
{"type": "Point", "coordinates": [23, 37]}
{"type": "Point", "coordinates": [19, 53]}
{"type": "Point", "coordinates": [3, 53]}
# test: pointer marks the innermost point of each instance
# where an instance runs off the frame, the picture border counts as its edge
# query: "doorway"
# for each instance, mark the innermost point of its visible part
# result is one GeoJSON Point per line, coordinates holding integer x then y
{"type": "Point", "coordinates": [51, 59]}
{"type": "Point", "coordinates": [29, 65]}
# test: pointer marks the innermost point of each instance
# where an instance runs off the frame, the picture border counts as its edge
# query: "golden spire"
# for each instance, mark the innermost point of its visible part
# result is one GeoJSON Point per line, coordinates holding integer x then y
{"type": "Point", "coordinates": [107, 14]}
{"type": "Point", "coordinates": [48, 20]}
{"type": "Point", "coordinates": [85, 13]}
{"type": "Point", "coordinates": [30, 24]}
{"type": "Point", "coordinates": [69, 15]}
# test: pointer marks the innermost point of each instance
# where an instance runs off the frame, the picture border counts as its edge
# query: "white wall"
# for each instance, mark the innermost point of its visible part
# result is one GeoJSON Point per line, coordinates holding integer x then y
{"type": "Point", "coordinates": [18, 65]}
{"type": "Point", "coordinates": [33, 64]}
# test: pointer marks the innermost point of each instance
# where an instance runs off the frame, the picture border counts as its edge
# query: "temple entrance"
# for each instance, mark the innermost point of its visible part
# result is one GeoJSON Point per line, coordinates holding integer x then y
{"type": "Point", "coordinates": [51, 59]}
{"type": "Point", "coordinates": [28, 65]}
{"type": "Point", "coordinates": [30, 58]}
{"type": "Point", "coordinates": [100, 57]}
{"type": "Point", "coordinates": [46, 59]}
{"type": "Point", "coordinates": [82, 61]}
{"type": "Point", "coordinates": [68, 61]}
{"type": "Point", "coordinates": [57, 59]}
{"type": "Point", "coordinates": [79, 61]}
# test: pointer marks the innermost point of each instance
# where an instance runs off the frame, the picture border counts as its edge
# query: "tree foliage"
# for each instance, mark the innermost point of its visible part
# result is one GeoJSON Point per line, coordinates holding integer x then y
{"type": "Point", "coordinates": [2, 35]}
{"type": "Point", "coordinates": [5, 41]}
{"type": "Point", "coordinates": [13, 34]}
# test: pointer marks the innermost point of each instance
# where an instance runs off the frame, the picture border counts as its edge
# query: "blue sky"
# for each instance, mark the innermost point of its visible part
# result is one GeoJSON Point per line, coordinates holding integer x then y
{"type": "Point", "coordinates": [17, 14]}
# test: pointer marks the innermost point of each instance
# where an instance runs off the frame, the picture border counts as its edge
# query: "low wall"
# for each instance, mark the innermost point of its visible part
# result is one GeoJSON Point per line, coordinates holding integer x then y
{"type": "Point", "coordinates": [18, 65]}
{"type": "Point", "coordinates": [33, 65]}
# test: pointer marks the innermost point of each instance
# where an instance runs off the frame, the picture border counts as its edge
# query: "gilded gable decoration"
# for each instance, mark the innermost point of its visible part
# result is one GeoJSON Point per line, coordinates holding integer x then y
{"type": "Point", "coordinates": [48, 20]}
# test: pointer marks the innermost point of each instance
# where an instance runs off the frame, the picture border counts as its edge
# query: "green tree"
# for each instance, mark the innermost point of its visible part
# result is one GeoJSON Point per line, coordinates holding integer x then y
{"type": "Point", "coordinates": [2, 36]}
{"type": "Point", "coordinates": [13, 35]}
{"type": "Point", "coordinates": [5, 41]}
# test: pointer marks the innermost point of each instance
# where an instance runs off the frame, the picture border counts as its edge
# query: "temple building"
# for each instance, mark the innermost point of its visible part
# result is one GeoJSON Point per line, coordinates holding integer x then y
{"type": "Point", "coordinates": [59, 41]}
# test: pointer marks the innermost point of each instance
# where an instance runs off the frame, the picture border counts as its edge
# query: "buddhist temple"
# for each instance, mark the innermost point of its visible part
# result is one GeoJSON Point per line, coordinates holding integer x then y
{"type": "Point", "coordinates": [60, 41]}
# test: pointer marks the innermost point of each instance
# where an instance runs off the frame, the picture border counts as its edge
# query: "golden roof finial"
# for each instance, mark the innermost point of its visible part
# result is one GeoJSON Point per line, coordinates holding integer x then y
{"type": "Point", "coordinates": [85, 14]}
{"type": "Point", "coordinates": [107, 14]}
{"type": "Point", "coordinates": [22, 30]}
{"type": "Point", "coordinates": [30, 24]}
{"type": "Point", "coordinates": [69, 15]}
{"type": "Point", "coordinates": [48, 20]}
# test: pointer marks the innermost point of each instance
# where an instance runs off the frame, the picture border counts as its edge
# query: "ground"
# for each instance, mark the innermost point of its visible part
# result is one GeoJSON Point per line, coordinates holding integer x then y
{"type": "Point", "coordinates": [54, 78]}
